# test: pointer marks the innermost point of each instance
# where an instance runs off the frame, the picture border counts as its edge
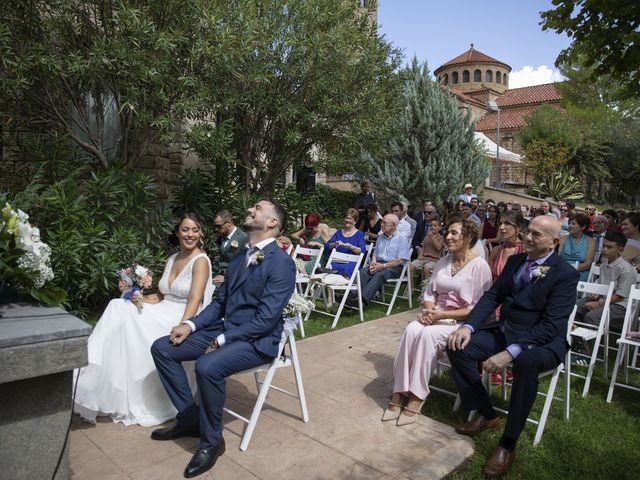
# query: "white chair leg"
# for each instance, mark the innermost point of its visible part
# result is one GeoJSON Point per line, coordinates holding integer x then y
{"type": "Point", "coordinates": [360, 306]}
{"type": "Point", "coordinates": [262, 396]}
{"type": "Point", "coordinates": [298, 374]}
{"type": "Point", "coordinates": [340, 308]}
{"type": "Point", "coordinates": [567, 384]}
{"type": "Point", "coordinates": [547, 407]}
{"type": "Point", "coordinates": [619, 358]}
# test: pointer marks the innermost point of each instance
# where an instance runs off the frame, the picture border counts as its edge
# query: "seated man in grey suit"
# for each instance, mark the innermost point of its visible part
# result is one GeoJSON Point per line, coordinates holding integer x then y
{"type": "Point", "coordinates": [230, 240]}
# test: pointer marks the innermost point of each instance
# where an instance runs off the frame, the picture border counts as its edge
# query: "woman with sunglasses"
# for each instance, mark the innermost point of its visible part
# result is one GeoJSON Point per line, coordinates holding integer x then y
{"type": "Point", "coordinates": [563, 218]}
{"type": "Point", "coordinates": [313, 235]}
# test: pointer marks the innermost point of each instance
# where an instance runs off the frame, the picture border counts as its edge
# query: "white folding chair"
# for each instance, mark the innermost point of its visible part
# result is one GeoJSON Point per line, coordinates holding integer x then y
{"type": "Point", "coordinates": [625, 344]}
{"type": "Point", "coordinates": [594, 273]}
{"type": "Point", "coordinates": [263, 386]}
{"type": "Point", "coordinates": [404, 277]}
{"type": "Point", "coordinates": [302, 279]}
{"type": "Point", "coordinates": [588, 332]}
{"type": "Point", "coordinates": [317, 288]}
{"type": "Point", "coordinates": [370, 247]}
{"type": "Point", "coordinates": [549, 395]}
{"type": "Point", "coordinates": [289, 249]}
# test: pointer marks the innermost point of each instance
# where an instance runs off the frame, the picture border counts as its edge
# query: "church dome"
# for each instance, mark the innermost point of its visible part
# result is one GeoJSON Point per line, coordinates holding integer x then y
{"type": "Point", "coordinates": [474, 71]}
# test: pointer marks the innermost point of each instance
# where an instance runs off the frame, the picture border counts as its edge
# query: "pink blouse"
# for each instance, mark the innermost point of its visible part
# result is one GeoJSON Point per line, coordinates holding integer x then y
{"type": "Point", "coordinates": [462, 290]}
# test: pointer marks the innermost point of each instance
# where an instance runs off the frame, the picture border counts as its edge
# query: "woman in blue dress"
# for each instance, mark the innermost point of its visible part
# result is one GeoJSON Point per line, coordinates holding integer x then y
{"type": "Point", "coordinates": [577, 246]}
{"type": "Point", "coordinates": [347, 240]}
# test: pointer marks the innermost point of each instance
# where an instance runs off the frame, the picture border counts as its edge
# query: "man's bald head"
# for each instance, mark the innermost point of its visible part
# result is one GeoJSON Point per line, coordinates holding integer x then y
{"type": "Point", "coordinates": [542, 236]}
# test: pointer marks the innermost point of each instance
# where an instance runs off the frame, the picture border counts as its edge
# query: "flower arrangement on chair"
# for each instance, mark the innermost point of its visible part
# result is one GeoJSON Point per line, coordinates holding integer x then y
{"type": "Point", "coordinates": [298, 305]}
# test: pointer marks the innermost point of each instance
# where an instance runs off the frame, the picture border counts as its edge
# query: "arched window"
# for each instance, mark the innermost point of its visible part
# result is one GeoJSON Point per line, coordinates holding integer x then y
{"type": "Point", "coordinates": [454, 77]}
{"type": "Point", "coordinates": [465, 76]}
{"type": "Point", "coordinates": [488, 76]}
{"type": "Point", "coordinates": [477, 76]}
{"type": "Point", "coordinates": [445, 79]}
{"type": "Point", "coordinates": [498, 77]}
{"type": "Point", "coordinates": [504, 79]}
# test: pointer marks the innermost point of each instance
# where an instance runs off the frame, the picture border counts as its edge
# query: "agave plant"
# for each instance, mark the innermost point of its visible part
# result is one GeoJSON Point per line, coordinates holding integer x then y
{"type": "Point", "coordinates": [561, 185]}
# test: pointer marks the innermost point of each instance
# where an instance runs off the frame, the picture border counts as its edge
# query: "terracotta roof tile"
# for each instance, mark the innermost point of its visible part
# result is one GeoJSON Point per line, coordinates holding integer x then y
{"type": "Point", "coordinates": [509, 118]}
{"type": "Point", "coordinates": [527, 95]}
{"type": "Point", "coordinates": [464, 97]}
{"type": "Point", "coordinates": [472, 56]}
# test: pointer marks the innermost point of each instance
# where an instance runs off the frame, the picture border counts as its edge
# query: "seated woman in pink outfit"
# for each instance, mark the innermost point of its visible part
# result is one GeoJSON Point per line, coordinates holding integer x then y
{"type": "Point", "coordinates": [457, 283]}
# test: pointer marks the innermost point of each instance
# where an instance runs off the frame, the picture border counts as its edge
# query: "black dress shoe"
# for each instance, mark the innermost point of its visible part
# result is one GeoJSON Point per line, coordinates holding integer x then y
{"type": "Point", "coordinates": [204, 460]}
{"type": "Point", "coordinates": [174, 431]}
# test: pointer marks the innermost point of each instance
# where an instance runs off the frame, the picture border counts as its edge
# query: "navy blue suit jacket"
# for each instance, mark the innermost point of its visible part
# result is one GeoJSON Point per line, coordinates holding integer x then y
{"type": "Point", "coordinates": [535, 315]}
{"type": "Point", "coordinates": [249, 307]}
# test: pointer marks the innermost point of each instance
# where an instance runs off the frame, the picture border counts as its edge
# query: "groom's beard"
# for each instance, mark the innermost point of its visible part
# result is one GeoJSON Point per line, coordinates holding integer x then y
{"type": "Point", "coordinates": [250, 227]}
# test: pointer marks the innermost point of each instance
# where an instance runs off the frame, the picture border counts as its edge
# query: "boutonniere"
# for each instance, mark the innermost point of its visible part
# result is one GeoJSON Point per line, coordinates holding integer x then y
{"type": "Point", "coordinates": [233, 244]}
{"type": "Point", "coordinates": [256, 258]}
{"type": "Point", "coordinates": [540, 272]}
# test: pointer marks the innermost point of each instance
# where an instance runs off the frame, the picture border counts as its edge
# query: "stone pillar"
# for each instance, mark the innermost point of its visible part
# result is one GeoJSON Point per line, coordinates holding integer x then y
{"type": "Point", "coordinates": [39, 349]}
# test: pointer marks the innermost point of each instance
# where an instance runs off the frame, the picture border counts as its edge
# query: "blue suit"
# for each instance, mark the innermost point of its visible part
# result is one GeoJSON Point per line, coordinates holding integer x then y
{"type": "Point", "coordinates": [248, 310]}
{"type": "Point", "coordinates": [535, 317]}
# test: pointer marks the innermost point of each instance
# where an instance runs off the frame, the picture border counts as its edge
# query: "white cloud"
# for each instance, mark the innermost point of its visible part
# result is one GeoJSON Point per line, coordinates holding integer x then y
{"type": "Point", "coordinates": [528, 76]}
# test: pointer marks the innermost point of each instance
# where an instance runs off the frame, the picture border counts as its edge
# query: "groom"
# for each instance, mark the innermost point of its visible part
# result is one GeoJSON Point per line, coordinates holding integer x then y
{"type": "Point", "coordinates": [537, 291]}
{"type": "Point", "coordinates": [240, 329]}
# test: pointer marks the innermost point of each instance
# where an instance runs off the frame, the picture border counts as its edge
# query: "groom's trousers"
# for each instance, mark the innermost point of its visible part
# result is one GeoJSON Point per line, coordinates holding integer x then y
{"type": "Point", "coordinates": [212, 370]}
{"type": "Point", "coordinates": [527, 366]}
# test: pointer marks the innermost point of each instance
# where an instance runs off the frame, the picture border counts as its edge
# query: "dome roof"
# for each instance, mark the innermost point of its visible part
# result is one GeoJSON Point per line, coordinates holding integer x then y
{"type": "Point", "coordinates": [472, 56]}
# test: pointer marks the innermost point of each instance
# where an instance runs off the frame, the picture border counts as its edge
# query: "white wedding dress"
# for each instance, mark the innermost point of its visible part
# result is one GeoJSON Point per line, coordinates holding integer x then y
{"type": "Point", "coordinates": [121, 379]}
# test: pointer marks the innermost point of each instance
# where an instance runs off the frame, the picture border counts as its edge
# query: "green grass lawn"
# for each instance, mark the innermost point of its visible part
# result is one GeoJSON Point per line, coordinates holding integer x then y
{"type": "Point", "coordinates": [600, 440]}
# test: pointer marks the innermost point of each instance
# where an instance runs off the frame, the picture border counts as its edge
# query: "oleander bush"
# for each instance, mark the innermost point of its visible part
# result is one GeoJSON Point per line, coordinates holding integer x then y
{"type": "Point", "coordinates": [95, 220]}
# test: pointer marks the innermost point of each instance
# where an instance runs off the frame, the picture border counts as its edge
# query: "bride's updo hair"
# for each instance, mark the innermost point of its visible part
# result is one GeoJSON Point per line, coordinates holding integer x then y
{"type": "Point", "coordinates": [173, 236]}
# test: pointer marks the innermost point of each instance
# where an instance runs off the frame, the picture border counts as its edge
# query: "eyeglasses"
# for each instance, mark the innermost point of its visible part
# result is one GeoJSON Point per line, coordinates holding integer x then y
{"type": "Point", "coordinates": [429, 211]}
{"type": "Point", "coordinates": [564, 209]}
{"type": "Point", "coordinates": [218, 226]}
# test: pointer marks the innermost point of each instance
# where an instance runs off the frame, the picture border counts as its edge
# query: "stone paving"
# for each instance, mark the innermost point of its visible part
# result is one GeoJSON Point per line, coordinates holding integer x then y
{"type": "Point", "coordinates": [347, 378]}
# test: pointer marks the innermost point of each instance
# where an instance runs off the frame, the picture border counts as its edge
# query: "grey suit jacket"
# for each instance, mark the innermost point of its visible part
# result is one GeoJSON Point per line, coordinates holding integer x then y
{"type": "Point", "coordinates": [235, 244]}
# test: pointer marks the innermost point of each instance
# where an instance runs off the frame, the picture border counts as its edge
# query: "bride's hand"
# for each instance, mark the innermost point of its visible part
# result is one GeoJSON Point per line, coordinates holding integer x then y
{"type": "Point", "coordinates": [179, 333]}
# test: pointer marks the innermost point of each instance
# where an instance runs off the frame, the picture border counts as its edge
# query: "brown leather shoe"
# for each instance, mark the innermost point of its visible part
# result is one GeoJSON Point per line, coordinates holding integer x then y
{"type": "Point", "coordinates": [477, 425]}
{"type": "Point", "coordinates": [499, 462]}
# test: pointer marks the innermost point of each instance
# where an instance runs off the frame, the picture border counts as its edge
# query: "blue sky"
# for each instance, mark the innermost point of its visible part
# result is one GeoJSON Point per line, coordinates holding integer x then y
{"type": "Point", "coordinates": [508, 30]}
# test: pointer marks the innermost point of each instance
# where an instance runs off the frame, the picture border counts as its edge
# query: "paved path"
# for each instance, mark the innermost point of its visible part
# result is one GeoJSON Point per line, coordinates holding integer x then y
{"type": "Point", "coordinates": [347, 378]}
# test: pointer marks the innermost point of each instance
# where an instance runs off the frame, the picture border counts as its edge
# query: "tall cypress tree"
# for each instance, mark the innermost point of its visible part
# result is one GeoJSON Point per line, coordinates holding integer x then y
{"type": "Point", "coordinates": [433, 152]}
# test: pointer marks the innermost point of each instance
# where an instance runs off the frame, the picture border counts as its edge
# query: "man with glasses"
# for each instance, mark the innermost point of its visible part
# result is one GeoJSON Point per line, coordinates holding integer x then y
{"type": "Point", "coordinates": [230, 240]}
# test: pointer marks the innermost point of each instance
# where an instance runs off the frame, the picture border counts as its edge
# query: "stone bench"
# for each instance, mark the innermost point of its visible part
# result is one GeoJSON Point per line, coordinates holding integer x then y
{"type": "Point", "coordinates": [39, 349]}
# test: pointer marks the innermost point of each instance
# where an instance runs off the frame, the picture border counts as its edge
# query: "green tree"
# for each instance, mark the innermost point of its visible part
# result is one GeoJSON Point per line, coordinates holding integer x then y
{"type": "Point", "coordinates": [96, 70]}
{"type": "Point", "coordinates": [288, 83]}
{"type": "Point", "coordinates": [605, 34]}
{"type": "Point", "coordinates": [434, 151]}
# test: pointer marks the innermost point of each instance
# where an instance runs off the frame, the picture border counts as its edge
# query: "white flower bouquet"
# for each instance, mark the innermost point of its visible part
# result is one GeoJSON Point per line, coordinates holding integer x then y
{"type": "Point", "coordinates": [25, 261]}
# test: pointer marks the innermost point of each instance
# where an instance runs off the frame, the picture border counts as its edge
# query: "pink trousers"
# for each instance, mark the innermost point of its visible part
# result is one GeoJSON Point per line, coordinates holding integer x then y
{"type": "Point", "coordinates": [417, 357]}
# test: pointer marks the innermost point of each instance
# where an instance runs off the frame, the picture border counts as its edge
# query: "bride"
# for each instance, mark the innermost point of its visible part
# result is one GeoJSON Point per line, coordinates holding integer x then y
{"type": "Point", "coordinates": [121, 378]}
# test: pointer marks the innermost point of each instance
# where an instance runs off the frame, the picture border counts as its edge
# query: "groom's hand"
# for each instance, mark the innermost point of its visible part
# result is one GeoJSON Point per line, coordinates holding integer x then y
{"type": "Point", "coordinates": [179, 333]}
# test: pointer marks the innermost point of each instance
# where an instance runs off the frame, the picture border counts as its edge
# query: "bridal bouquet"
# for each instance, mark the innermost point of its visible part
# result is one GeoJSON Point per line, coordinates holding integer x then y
{"type": "Point", "coordinates": [134, 280]}
{"type": "Point", "coordinates": [25, 259]}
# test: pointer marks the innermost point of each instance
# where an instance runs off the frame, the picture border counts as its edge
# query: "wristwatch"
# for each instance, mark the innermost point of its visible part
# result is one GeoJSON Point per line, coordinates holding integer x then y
{"type": "Point", "coordinates": [214, 344]}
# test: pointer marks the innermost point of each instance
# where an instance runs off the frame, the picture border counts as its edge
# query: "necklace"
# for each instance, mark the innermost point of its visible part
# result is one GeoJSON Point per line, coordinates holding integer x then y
{"type": "Point", "coordinates": [457, 266]}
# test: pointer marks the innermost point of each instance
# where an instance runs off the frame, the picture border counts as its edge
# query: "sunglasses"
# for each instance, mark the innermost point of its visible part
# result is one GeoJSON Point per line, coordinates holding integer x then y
{"type": "Point", "coordinates": [564, 209]}
{"type": "Point", "coordinates": [218, 226]}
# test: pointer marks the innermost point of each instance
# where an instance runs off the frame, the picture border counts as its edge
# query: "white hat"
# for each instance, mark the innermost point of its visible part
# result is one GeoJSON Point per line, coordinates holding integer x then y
{"type": "Point", "coordinates": [468, 185]}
